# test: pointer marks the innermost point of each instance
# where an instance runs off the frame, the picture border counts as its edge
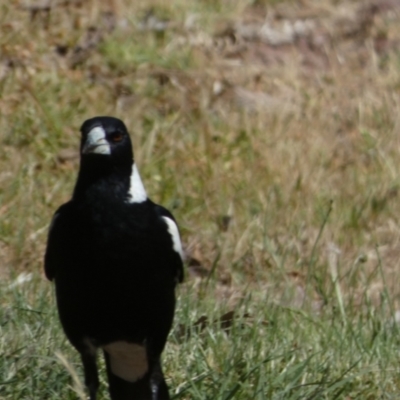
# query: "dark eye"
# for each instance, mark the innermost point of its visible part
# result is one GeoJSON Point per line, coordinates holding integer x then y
{"type": "Point", "coordinates": [116, 136]}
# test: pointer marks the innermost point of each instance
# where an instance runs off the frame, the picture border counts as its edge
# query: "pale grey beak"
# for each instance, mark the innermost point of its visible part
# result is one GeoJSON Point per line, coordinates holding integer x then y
{"type": "Point", "coordinates": [96, 142]}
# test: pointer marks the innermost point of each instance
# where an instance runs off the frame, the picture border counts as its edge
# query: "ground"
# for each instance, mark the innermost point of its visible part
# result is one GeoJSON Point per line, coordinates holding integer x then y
{"type": "Point", "coordinates": [271, 130]}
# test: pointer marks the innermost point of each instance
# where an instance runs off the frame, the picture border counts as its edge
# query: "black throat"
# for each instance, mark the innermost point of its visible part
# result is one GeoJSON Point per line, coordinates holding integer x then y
{"type": "Point", "coordinates": [99, 174]}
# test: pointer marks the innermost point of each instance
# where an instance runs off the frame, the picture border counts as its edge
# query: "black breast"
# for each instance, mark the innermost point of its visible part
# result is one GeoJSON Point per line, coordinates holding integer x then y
{"type": "Point", "coordinates": [117, 276]}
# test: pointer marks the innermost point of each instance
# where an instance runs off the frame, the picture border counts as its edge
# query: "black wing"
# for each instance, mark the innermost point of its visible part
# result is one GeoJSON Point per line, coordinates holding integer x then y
{"type": "Point", "coordinates": [54, 239]}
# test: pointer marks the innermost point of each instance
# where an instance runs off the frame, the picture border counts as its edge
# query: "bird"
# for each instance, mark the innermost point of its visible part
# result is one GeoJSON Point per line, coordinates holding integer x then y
{"type": "Point", "coordinates": [116, 258]}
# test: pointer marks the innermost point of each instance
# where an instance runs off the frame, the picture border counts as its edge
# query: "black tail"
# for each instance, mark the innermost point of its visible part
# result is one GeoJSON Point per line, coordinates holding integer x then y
{"type": "Point", "coordinates": [151, 387]}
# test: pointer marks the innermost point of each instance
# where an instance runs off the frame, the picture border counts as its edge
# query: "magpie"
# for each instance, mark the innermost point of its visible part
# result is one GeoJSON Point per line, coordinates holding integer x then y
{"type": "Point", "coordinates": [116, 258]}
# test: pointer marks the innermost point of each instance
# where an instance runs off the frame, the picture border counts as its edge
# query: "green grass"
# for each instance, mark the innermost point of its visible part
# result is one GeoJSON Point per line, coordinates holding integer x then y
{"type": "Point", "coordinates": [297, 146]}
{"type": "Point", "coordinates": [267, 351]}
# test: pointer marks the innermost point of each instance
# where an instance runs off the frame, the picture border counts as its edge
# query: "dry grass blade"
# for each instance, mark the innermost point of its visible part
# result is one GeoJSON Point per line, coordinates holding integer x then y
{"type": "Point", "coordinates": [78, 387]}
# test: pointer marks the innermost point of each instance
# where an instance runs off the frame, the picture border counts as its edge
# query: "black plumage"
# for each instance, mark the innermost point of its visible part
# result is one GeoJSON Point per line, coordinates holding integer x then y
{"type": "Point", "coordinates": [115, 258]}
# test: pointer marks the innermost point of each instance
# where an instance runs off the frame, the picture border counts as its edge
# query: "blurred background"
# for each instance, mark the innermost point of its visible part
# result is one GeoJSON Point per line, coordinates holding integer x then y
{"type": "Point", "coordinates": [271, 130]}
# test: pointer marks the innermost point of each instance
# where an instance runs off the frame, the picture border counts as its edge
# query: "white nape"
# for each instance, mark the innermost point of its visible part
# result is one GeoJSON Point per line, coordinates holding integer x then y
{"type": "Point", "coordinates": [137, 192]}
{"type": "Point", "coordinates": [96, 142]}
{"type": "Point", "coordinates": [176, 239]}
{"type": "Point", "coordinates": [127, 360]}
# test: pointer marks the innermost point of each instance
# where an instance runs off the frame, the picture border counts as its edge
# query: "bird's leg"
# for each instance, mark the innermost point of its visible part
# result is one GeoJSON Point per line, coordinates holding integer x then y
{"type": "Point", "coordinates": [91, 375]}
{"type": "Point", "coordinates": [159, 388]}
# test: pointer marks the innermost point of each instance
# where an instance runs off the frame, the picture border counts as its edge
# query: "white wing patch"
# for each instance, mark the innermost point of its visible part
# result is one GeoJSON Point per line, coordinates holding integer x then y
{"type": "Point", "coordinates": [127, 360]}
{"type": "Point", "coordinates": [96, 142]}
{"type": "Point", "coordinates": [174, 232]}
{"type": "Point", "coordinates": [137, 192]}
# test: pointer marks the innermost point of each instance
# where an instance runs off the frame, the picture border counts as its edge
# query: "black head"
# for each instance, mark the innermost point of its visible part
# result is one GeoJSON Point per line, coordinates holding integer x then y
{"type": "Point", "coordinates": [106, 138]}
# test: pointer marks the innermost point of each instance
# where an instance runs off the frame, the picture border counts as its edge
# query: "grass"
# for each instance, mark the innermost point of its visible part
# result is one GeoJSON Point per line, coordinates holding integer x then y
{"type": "Point", "coordinates": [267, 351]}
{"type": "Point", "coordinates": [279, 162]}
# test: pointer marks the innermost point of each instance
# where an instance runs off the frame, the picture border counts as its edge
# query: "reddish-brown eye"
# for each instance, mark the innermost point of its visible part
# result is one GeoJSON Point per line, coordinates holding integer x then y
{"type": "Point", "coordinates": [116, 137]}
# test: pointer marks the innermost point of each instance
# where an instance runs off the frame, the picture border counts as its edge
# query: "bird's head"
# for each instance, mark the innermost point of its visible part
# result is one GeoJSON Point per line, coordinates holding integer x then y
{"type": "Point", "coordinates": [108, 138]}
{"type": "Point", "coordinates": [107, 156]}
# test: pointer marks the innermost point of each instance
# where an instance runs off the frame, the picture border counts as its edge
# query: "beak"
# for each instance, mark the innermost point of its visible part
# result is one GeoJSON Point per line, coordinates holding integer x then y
{"type": "Point", "coordinates": [96, 142]}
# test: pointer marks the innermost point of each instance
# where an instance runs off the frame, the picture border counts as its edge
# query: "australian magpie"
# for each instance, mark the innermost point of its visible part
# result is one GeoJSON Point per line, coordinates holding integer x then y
{"type": "Point", "coordinates": [115, 258]}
